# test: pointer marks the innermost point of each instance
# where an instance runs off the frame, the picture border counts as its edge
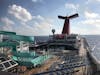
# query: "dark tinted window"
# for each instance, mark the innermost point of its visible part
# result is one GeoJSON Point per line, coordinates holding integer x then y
{"type": "Point", "coordinates": [6, 64]}
{"type": "Point", "coordinates": [12, 62]}
{"type": "Point", "coordinates": [1, 67]}
{"type": "Point", "coordinates": [2, 59]}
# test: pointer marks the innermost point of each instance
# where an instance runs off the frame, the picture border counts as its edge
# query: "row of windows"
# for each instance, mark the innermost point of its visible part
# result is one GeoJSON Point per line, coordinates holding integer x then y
{"type": "Point", "coordinates": [6, 64]}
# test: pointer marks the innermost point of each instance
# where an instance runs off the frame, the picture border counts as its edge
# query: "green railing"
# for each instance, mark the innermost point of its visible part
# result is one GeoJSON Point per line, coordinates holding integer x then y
{"type": "Point", "coordinates": [34, 61]}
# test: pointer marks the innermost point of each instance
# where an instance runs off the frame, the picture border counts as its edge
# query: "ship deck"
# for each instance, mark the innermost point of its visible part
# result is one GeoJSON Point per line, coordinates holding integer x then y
{"type": "Point", "coordinates": [64, 63]}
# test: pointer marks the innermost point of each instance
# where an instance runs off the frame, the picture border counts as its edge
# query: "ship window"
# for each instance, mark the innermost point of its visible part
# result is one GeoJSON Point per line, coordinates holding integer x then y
{"type": "Point", "coordinates": [2, 59]}
{"type": "Point", "coordinates": [1, 67]}
{"type": "Point", "coordinates": [6, 64]}
{"type": "Point", "coordinates": [12, 62]}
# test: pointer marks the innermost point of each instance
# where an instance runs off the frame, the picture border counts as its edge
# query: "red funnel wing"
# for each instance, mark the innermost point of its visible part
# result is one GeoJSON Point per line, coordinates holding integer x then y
{"type": "Point", "coordinates": [61, 17]}
{"type": "Point", "coordinates": [73, 16]}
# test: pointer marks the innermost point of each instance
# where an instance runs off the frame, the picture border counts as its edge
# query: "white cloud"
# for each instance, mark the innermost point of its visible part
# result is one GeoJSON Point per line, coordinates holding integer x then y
{"type": "Point", "coordinates": [98, 0]}
{"type": "Point", "coordinates": [36, 1]}
{"type": "Point", "coordinates": [90, 15]}
{"type": "Point", "coordinates": [94, 22]}
{"type": "Point", "coordinates": [91, 23]}
{"type": "Point", "coordinates": [89, 1]}
{"type": "Point", "coordinates": [20, 13]}
{"type": "Point", "coordinates": [71, 6]}
{"type": "Point", "coordinates": [93, 0]}
{"type": "Point", "coordinates": [38, 17]}
{"type": "Point", "coordinates": [24, 29]}
{"type": "Point", "coordinates": [7, 24]}
{"type": "Point", "coordinates": [77, 30]}
{"type": "Point", "coordinates": [7, 21]}
{"type": "Point", "coordinates": [42, 27]}
{"type": "Point", "coordinates": [88, 26]}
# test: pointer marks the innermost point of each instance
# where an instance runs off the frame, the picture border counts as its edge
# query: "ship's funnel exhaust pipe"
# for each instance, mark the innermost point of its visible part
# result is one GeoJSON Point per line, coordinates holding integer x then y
{"type": "Point", "coordinates": [66, 27]}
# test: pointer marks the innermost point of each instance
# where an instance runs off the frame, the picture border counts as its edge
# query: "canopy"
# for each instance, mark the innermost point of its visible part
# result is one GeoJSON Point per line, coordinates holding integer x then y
{"type": "Point", "coordinates": [7, 33]}
{"type": "Point", "coordinates": [22, 38]}
{"type": "Point", "coordinates": [5, 44]}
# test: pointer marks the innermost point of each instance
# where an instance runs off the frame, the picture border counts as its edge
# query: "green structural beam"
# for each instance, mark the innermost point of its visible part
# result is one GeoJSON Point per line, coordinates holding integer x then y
{"type": "Point", "coordinates": [8, 44]}
{"type": "Point", "coordinates": [13, 36]}
{"type": "Point", "coordinates": [7, 33]}
{"type": "Point", "coordinates": [22, 38]}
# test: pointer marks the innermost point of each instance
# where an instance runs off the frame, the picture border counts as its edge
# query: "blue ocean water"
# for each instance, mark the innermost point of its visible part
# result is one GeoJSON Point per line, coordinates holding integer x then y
{"type": "Point", "coordinates": [92, 39]}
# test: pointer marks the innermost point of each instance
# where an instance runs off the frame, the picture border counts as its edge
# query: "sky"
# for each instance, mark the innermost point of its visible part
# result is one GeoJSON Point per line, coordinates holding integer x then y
{"type": "Point", "coordinates": [39, 17]}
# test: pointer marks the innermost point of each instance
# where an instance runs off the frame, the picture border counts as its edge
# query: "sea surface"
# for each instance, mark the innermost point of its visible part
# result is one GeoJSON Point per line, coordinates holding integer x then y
{"type": "Point", "coordinates": [92, 39]}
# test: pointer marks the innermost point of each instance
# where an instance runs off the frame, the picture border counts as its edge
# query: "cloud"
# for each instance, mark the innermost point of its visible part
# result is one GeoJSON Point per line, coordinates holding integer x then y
{"type": "Point", "coordinates": [93, 1]}
{"type": "Point", "coordinates": [37, 1]}
{"type": "Point", "coordinates": [38, 17]}
{"type": "Point", "coordinates": [24, 29]}
{"type": "Point", "coordinates": [90, 15]}
{"type": "Point", "coordinates": [91, 22]}
{"type": "Point", "coordinates": [38, 26]}
{"type": "Point", "coordinates": [71, 6]}
{"type": "Point", "coordinates": [88, 26]}
{"type": "Point", "coordinates": [43, 27]}
{"type": "Point", "coordinates": [98, 0]}
{"type": "Point", "coordinates": [20, 13]}
{"type": "Point", "coordinates": [7, 21]}
{"type": "Point", "coordinates": [82, 31]}
{"type": "Point", "coordinates": [7, 24]}
{"type": "Point", "coordinates": [89, 1]}
{"type": "Point", "coordinates": [91, 19]}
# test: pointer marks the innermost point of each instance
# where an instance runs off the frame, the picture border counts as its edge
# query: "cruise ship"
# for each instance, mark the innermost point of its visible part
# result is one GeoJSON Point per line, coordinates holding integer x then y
{"type": "Point", "coordinates": [60, 54]}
